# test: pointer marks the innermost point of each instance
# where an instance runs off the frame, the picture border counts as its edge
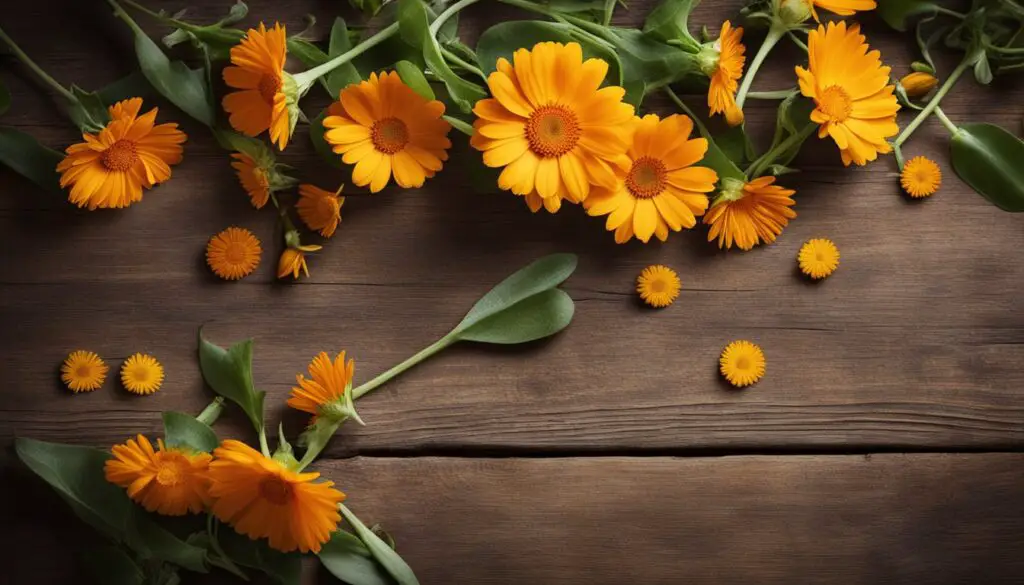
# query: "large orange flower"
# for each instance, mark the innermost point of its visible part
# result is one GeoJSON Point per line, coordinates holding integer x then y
{"type": "Point", "coordinates": [258, 71]}
{"type": "Point", "coordinates": [110, 169]}
{"type": "Point", "coordinates": [261, 498]}
{"type": "Point", "coordinates": [550, 126]}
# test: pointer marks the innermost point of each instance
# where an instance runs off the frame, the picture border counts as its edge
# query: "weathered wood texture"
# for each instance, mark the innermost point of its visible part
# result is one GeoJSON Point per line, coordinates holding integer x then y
{"type": "Point", "coordinates": [840, 520]}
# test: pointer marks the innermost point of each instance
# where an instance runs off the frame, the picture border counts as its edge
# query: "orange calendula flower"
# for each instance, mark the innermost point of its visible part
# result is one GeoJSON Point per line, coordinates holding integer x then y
{"type": "Point", "coordinates": [662, 190]}
{"type": "Point", "coordinates": [850, 87]}
{"type": "Point", "coordinates": [262, 498]}
{"type": "Point", "coordinates": [257, 70]}
{"type": "Point", "coordinates": [168, 481]}
{"type": "Point", "coordinates": [551, 126]}
{"type": "Point", "coordinates": [327, 384]}
{"type": "Point", "coordinates": [726, 73]}
{"type": "Point", "coordinates": [233, 254]}
{"type": "Point", "coordinates": [319, 209]}
{"type": "Point", "coordinates": [747, 214]}
{"type": "Point", "coordinates": [83, 371]}
{"type": "Point", "coordinates": [111, 169]}
{"type": "Point", "coordinates": [293, 261]}
{"type": "Point", "coordinates": [255, 179]}
{"type": "Point", "coordinates": [385, 128]}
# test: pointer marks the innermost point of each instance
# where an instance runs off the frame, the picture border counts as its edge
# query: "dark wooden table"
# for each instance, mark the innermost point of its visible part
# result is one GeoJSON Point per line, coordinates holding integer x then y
{"type": "Point", "coordinates": [883, 446]}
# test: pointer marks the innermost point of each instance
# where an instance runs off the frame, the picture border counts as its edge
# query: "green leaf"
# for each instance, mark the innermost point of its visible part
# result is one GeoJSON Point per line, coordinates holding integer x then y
{"type": "Point", "coordinates": [414, 25]}
{"type": "Point", "coordinates": [183, 430]}
{"type": "Point", "coordinates": [184, 87]}
{"type": "Point", "coordinates": [536, 317]}
{"type": "Point", "coordinates": [669, 21]}
{"type": "Point", "coordinates": [5, 98]}
{"type": "Point", "coordinates": [151, 541]}
{"type": "Point", "coordinates": [735, 143]}
{"type": "Point", "coordinates": [76, 473]}
{"type": "Point", "coordinates": [284, 568]}
{"type": "Point", "coordinates": [988, 158]}
{"type": "Point", "coordinates": [346, 74]}
{"type": "Point", "coordinates": [320, 145]}
{"type": "Point", "coordinates": [111, 565]}
{"type": "Point", "coordinates": [414, 78]}
{"type": "Point", "coordinates": [897, 13]}
{"type": "Point", "coordinates": [132, 85]}
{"type": "Point", "coordinates": [25, 156]}
{"type": "Point", "coordinates": [983, 70]}
{"type": "Point", "coordinates": [88, 111]}
{"type": "Point", "coordinates": [347, 558]}
{"type": "Point", "coordinates": [380, 550]}
{"type": "Point", "coordinates": [306, 52]}
{"type": "Point", "coordinates": [229, 373]}
{"type": "Point", "coordinates": [650, 62]}
{"type": "Point", "coordinates": [369, 7]}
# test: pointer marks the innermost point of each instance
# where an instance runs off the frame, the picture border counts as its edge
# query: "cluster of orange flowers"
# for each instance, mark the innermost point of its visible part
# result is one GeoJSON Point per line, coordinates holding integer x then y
{"type": "Point", "coordinates": [256, 494]}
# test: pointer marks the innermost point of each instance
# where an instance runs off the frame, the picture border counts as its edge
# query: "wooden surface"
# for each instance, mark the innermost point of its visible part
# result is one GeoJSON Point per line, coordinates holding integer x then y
{"type": "Point", "coordinates": [916, 344]}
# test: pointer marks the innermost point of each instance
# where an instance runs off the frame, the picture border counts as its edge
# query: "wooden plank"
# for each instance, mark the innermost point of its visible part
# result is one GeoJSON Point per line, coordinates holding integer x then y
{"type": "Point", "coordinates": [937, 519]}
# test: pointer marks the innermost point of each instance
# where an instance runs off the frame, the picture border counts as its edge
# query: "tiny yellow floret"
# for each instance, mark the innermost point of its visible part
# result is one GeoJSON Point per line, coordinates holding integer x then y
{"type": "Point", "coordinates": [818, 258]}
{"type": "Point", "coordinates": [742, 363]}
{"type": "Point", "coordinates": [658, 286]}
{"type": "Point", "coordinates": [142, 374]}
{"type": "Point", "coordinates": [83, 371]}
{"type": "Point", "coordinates": [921, 177]}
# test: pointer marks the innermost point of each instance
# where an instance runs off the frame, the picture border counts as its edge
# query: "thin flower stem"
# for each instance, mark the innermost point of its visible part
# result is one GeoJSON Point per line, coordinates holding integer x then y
{"type": "Point", "coordinates": [934, 102]}
{"type": "Point", "coordinates": [150, 13]}
{"type": "Point", "coordinates": [593, 30]}
{"type": "Point", "coordinates": [212, 411]}
{"type": "Point", "coordinates": [264, 447]}
{"type": "Point", "coordinates": [459, 125]}
{"type": "Point", "coordinates": [796, 40]}
{"type": "Point", "coordinates": [942, 10]}
{"type": "Point", "coordinates": [306, 79]}
{"type": "Point", "coordinates": [444, 16]}
{"type": "Point", "coordinates": [770, 95]}
{"type": "Point", "coordinates": [388, 375]}
{"type": "Point", "coordinates": [28, 62]}
{"type": "Point", "coordinates": [953, 129]}
{"type": "Point", "coordinates": [775, 33]}
{"type": "Point", "coordinates": [453, 58]}
{"type": "Point", "coordinates": [768, 158]}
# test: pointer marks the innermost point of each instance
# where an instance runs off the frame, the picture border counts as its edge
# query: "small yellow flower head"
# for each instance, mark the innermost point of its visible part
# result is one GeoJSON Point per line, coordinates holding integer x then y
{"type": "Point", "coordinates": [293, 261]}
{"type": "Point", "coordinates": [742, 363]}
{"type": "Point", "coordinates": [320, 210]}
{"type": "Point", "coordinates": [658, 286]}
{"type": "Point", "coordinates": [326, 385]}
{"type": "Point", "coordinates": [83, 371]}
{"type": "Point", "coordinates": [921, 177]}
{"type": "Point", "coordinates": [254, 177]}
{"type": "Point", "coordinates": [167, 481]}
{"type": "Point", "coordinates": [142, 374]}
{"type": "Point", "coordinates": [918, 84]}
{"type": "Point", "coordinates": [233, 254]}
{"type": "Point", "coordinates": [818, 258]}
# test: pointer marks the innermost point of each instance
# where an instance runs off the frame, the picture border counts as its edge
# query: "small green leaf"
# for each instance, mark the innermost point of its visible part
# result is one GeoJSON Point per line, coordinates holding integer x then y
{"type": "Point", "coordinates": [348, 559]}
{"type": "Point", "coordinates": [414, 78]}
{"type": "Point", "coordinates": [380, 550]}
{"type": "Point", "coordinates": [5, 98]}
{"type": "Point", "coordinates": [183, 430]}
{"type": "Point", "coordinates": [346, 74]}
{"type": "Point", "coordinates": [536, 317]}
{"type": "Point", "coordinates": [111, 565]}
{"type": "Point", "coordinates": [284, 568]}
{"type": "Point", "coordinates": [320, 145]}
{"type": "Point", "coordinates": [897, 13]}
{"type": "Point", "coordinates": [735, 143]}
{"type": "Point", "coordinates": [88, 111]}
{"type": "Point", "coordinates": [988, 158]}
{"type": "Point", "coordinates": [669, 21]}
{"type": "Point", "coordinates": [647, 60]}
{"type": "Point", "coordinates": [983, 70]}
{"type": "Point", "coordinates": [229, 373]}
{"type": "Point", "coordinates": [306, 52]}
{"type": "Point", "coordinates": [23, 155]}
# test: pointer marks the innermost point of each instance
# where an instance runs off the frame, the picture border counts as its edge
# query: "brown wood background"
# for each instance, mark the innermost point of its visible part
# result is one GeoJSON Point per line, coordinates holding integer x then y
{"type": "Point", "coordinates": [612, 453]}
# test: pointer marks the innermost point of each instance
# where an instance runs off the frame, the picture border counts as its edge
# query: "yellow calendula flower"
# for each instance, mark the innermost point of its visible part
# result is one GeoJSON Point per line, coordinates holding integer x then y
{"type": "Point", "coordinates": [168, 481]}
{"type": "Point", "coordinates": [326, 385]}
{"type": "Point", "coordinates": [551, 126]}
{"type": "Point", "coordinates": [818, 258]}
{"type": "Point", "coordinates": [261, 498]}
{"type": "Point", "coordinates": [850, 87]}
{"type": "Point", "coordinates": [746, 214]}
{"type": "Point", "coordinates": [257, 71]}
{"type": "Point", "coordinates": [293, 261]}
{"type": "Point", "coordinates": [726, 74]}
{"type": "Point", "coordinates": [111, 169]}
{"type": "Point", "coordinates": [233, 254]}
{"type": "Point", "coordinates": [320, 210]}
{"type": "Point", "coordinates": [255, 178]}
{"type": "Point", "coordinates": [385, 128]}
{"type": "Point", "coordinates": [742, 363]}
{"type": "Point", "coordinates": [661, 190]}
{"type": "Point", "coordinates": [918, 84]}
{"type": "Point", "coordinates": [921, 177]}
{"type": "Point", "coordinates": [83, 371]}
{"type": "Point", "coordinates": [658, 286]}
{"type": "Point", "coordinates": [142, 374]}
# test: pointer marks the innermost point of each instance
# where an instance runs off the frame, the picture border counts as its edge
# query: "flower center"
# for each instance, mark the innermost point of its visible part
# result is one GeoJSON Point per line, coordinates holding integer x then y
{"type": "Point", "coordinates": [171, 472]}
{"type": "Point", "coordinates": [83, 371]}
{"type": "Point", "coordinates": [743, 363]}
{"type": "Point", "coordinates": [552, 131]}
{"type": "Point", "coordinates": [235, 253]}
{"type": "Point", "coordinates": [140, 374]}
{"type": "Point", "coordinates": [276, 490]}
{"type": "Point", "coordinates": [819, 256]}
{"type": "Point", "coordinates": [269, 86]}
{"type": "Point", "coordinates": [835, 103]}
{"type": "Point", "coordinates": [658, 286]}
{"type": "Point", "coordinates": [121, 156]}
{"type": "Point", "coordinates": [647, 178]}
{"type": "Point", "coordinates": [389, 135]}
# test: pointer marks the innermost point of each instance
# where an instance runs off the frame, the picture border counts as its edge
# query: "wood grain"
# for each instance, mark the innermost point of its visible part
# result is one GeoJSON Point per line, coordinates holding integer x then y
{"type": "Point", "coordinates": [840, 520]}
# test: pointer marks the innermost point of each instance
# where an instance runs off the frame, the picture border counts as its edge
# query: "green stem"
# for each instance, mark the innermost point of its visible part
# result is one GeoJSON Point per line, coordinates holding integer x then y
{"type": "Point", "coordinates": [796, 40]}
{"type": "Point", "coordinates": [444, 16]}
{"type": "Point", "coordinates": [948, 12]}
{"type": "Point", "coordinates": [459, 125]}
{"type": "Point", "coordinates": [388, 375]}
{"type": "Point", "coordinates": [151, 14]}
{"type": "Point", "coordinates": [307, 78]}
{"type": "Point", "coordinates": [264, 447]}
{"type": "Point", "coordinates": [453, 58]}
{"type": "Point", "coordinates": [770, 95]}
{"type": "Point", "coordinates": [775, 33]}
{"type": "Point", "coordinates": [212, 411]}
{"type": "Point", "coordinates": [934, 102]}
{"type": "Point", "coordinates": [594, 31]}
{"type": "Point", "coordinates": [28, 62]}
{"type": "Point", "coordinates": [953, 129]}
{"type": "Point", "coordinates": [769, 157]}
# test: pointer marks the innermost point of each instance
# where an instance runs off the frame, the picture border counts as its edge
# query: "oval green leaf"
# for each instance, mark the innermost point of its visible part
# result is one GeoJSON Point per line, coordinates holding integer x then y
{"type": "Point", "coordinates": [229, 373]}
{"type": "Point", "coordinates": [536, 317]}
{"type": "Point", "coordinates": [414, 78]}
{"type": "Point", "coordinates": [23, 155]}
{"type": "Point", "coordinates": [347, 558]}
{"type": "Point", "coordinates": [670, 21]}
{"type": "Point", "coordinates": [988, 158]}
{"type": "Point", "coordinates": [183, 430]}
{"type": "Point", "coordinates": [897, 13]}
{"type": "Point", "coordinates": [346, 74]}
{"type": "Point", "coordinates": [385, 555]}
